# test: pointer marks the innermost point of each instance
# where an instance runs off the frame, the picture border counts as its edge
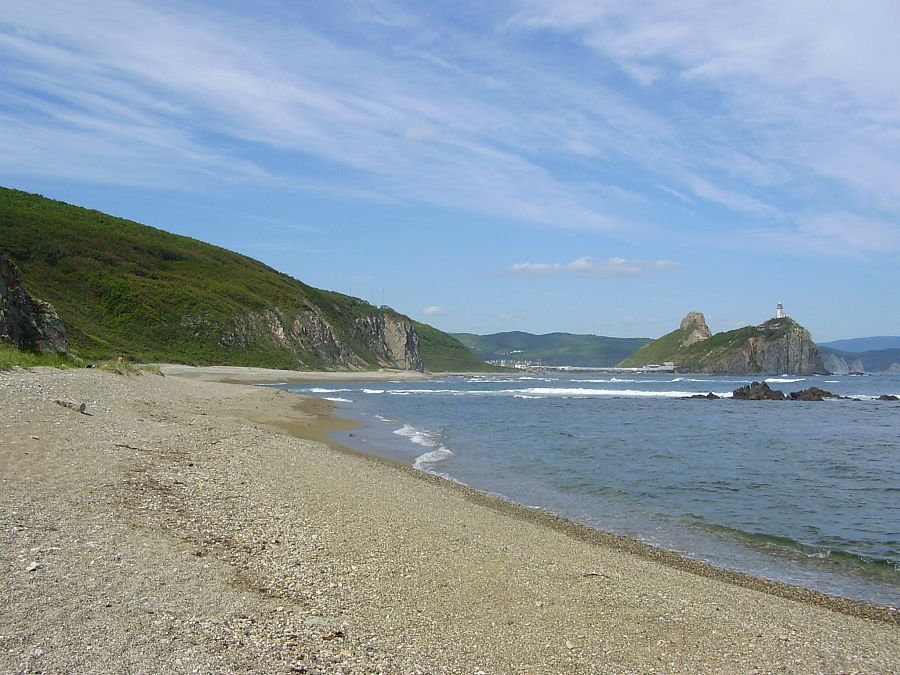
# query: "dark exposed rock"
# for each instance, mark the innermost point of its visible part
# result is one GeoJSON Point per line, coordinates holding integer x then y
{"type": "Point", "coordinates": [757, 391]}
{"type": "Point", "coordinates": [888, 397]}
{"type": "Point", "coordinates": [811, 394]}
{"type": "Point", "coordinates": [25, 321]}
{"type": "Point", "coordinates": [709, 397]}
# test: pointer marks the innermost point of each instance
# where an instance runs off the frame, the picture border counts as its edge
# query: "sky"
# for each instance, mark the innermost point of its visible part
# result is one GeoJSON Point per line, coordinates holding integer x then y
{"type": "Point", "coordinates": [538, 165]}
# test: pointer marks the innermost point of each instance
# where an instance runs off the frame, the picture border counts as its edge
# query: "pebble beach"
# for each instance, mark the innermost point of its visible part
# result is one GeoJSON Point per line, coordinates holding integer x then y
{"type": "Point", "coordinates": [188, 523]}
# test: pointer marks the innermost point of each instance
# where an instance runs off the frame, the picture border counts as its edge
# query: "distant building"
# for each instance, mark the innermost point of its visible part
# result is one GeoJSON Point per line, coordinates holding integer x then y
{"type": "Point", "coordinates": [779, 312]}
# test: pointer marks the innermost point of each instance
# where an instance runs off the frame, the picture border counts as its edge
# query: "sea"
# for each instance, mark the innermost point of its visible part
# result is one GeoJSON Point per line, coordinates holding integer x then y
{"type": "Point", "coordinates": [806, 493]}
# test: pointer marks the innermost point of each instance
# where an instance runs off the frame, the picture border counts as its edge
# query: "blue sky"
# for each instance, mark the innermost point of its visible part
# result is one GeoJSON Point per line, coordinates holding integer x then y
{"type": "Point", "coordinates": [538, 165]}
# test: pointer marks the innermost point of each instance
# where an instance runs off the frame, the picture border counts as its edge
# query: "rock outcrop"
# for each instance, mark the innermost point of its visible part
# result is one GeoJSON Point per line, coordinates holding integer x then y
{"type": "Point", "coordinates": [695, 328]}
{"type": "Point", "coordinates": [25, 321]}
{"type": "Point", "coordinates": [776, 346]}
{"type": "Point", "coordinates": [385, 339]}
{"type": "Point", "coordinates": [757, 391]}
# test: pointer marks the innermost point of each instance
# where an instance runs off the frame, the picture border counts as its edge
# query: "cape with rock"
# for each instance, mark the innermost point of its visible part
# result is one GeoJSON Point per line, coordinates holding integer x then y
{"type": "Point", "coordinates": [779, 345]}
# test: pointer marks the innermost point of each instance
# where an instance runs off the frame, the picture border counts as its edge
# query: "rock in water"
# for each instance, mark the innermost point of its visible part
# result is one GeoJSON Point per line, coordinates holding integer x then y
{"type": "Point", "coordinates": [811, 394]}
{"type": "Point", "coordinates": [25, 321]}
{"type": "Point", "coordinates": [757, 391]}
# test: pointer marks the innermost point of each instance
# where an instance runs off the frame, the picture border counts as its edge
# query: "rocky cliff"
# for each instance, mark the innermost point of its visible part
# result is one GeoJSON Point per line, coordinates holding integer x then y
{"type": "Point", "coordinates": [776, 346]}
{"type": "Point", "coordinates": [25, 321]}
{"type": "Point", "coordinates": [383, 339]}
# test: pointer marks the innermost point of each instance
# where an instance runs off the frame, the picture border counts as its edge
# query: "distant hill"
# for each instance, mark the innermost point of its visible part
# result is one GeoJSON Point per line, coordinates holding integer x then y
{"type": "Point", "coordinates": [552, 349]}
{"type": "Point", "coordinates": [864, 344]}
{"type": "Point", "coordinates": [775, 346]}
{"type": "Point", "coordinates": [122, 288]}
{"type": "Point", "coordinates": [874, 361]}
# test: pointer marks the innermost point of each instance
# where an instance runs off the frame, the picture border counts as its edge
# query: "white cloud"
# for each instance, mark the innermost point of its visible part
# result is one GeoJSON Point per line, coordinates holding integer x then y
{"type": "Point", "coordinates": [614, 267]}
{"type": "Point", "coordinates": [434, 310]}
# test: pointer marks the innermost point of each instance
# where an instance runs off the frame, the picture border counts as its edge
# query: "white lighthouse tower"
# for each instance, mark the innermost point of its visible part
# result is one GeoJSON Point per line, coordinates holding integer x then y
{"type": "Point", "coordinates": [779, 312]}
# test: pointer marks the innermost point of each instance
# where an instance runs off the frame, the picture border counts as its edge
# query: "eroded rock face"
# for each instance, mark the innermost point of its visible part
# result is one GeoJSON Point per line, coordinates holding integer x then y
{"type": "Point", "coordinates": [389, 339]}
{"type": "Point", "coordinates": [695, 322]}
{"type": "Point", "coordinates": [794, 352]}
{"type": "Point", "coordinates": [25, 321]}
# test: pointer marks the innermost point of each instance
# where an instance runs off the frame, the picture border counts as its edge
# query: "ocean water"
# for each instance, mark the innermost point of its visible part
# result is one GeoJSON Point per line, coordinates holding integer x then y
{"type": "Point", "coordinates": [806, 493]}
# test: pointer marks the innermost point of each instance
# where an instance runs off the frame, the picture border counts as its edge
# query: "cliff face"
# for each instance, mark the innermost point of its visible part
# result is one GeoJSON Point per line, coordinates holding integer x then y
{"type": "Point", "coordinates": [25, 321]}
{"type": "Point", "coordinates": [384, 339]}
{"type": "Point", "coordinates": [778, 346]}
{"type": "Point", "coordinates": [775, 346]}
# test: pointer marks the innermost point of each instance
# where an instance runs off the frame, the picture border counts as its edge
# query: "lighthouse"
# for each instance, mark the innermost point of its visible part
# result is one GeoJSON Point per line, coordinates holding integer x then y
{"type": "Point", "coordinates": [779, 311]}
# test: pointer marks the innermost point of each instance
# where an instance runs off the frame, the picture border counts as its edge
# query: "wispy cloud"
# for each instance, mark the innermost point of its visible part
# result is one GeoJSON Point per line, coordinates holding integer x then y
{"type": "Point", "coordinates": [614, 267]}
{"type": "Point", "coordinates": [758, 110]}
{"type": "Point", "coordinates": [434, 310]}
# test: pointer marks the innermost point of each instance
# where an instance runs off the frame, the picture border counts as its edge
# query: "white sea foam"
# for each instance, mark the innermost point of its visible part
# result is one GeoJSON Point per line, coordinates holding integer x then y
{"type": "Point", "coordinates": [785, 380]}
{"type": "Point", "coordinates": [320, 390]}
{"type": "Point", "coordinates": [432, 457]}
{"type": "Point", "coordinates": [585, 393]}
{"type": "Point", "coordinates": [438, 452]}
{"type": "Point", "coordinates": [373, 391]}
{"type": "Point", "coordinates": [336, 399]}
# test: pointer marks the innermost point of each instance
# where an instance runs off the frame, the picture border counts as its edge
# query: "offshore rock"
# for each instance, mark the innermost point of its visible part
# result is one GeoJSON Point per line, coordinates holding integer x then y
{"type": "Point", "coordinates": [811, 394]}
{"type": "Point", "coordinates": [757, 391]}
{"type": "Point", "coordinates": [25, 321]}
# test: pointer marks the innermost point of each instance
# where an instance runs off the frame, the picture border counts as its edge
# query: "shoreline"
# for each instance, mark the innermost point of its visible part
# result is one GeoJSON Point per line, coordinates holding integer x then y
{"type": "Point", "coordinates": [184, 525]}
{"type": "Point", "coordinates": [331, 423]}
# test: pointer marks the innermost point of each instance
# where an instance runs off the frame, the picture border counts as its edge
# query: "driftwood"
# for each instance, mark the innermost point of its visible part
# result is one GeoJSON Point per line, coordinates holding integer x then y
{"type": "Point", "coordinates": [80, 407]}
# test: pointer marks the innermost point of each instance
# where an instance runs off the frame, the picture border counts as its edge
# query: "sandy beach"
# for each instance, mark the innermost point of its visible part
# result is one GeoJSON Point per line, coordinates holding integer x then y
{"type": "Point", "coordinates": [185, 523]}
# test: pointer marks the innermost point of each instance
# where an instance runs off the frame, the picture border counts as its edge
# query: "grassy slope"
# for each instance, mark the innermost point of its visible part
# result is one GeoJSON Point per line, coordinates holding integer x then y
{"type": "Point", "coordinates": [657, 351]}
{"type": "Point", "coordinates": [552, 348]}
{"type": "Point", "coordinates": [125, 288]}
{"type": "Point", "coordinates": [443, 353]}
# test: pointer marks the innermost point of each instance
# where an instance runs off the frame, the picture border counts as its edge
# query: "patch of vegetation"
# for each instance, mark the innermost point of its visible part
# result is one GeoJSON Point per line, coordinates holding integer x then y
{"type": "Point", "coordinates": [12, 357]}
{"type": "Point", "coordinates": [443, 353]}
{"type": "Point", "coordinates": [658, 351]}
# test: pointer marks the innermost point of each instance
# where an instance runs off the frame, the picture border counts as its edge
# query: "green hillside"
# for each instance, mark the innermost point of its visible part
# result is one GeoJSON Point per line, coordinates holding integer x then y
{"type": "Point", "coordinates": [553, 349]}
{"type": "Point", "coordinates": [125, 288]}
{"type": "Point", "coordinates": [447, 354]}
